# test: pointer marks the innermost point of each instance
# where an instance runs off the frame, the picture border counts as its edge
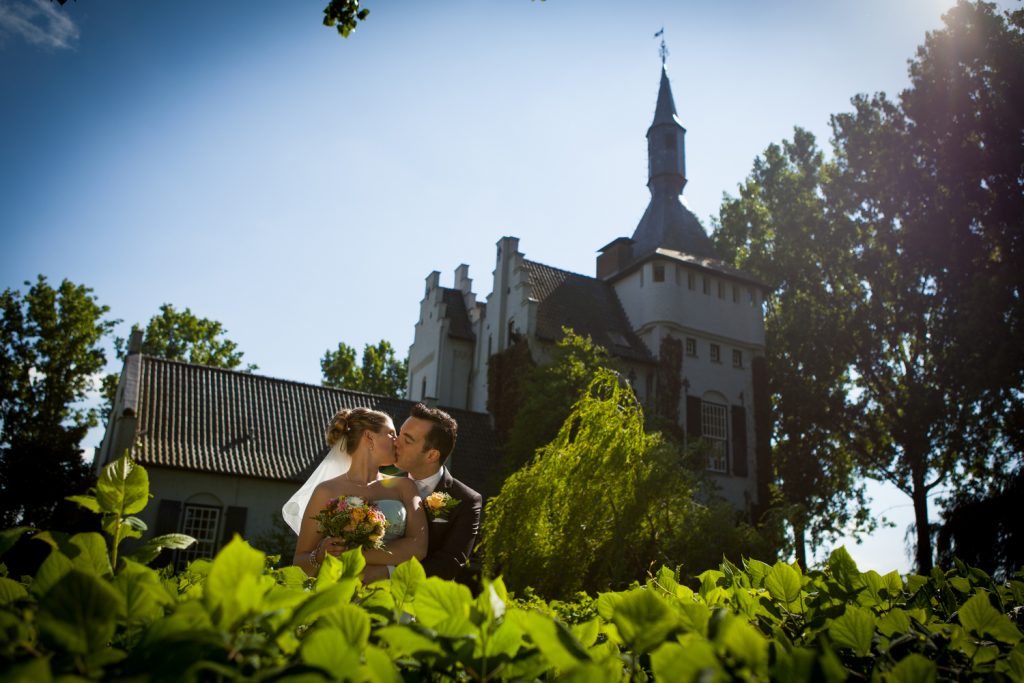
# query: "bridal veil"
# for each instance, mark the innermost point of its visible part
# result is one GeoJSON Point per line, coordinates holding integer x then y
{"type": "Point", "coordinates": [335, 463]}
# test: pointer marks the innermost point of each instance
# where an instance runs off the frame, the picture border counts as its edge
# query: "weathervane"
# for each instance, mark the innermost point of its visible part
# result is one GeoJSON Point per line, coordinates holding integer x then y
{"type": "Point", "coordinates": [663, 51]}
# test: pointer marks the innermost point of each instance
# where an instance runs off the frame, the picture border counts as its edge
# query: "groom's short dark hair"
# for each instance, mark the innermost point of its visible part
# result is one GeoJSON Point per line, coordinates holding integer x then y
{"type": "Point", "coordinates": [443, 431]}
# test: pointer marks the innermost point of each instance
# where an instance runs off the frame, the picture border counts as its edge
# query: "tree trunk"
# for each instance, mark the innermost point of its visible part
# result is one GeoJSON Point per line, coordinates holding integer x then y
{"type": "Point", "coordinates": [800, 544]}
{"type": "Point", "coordinates": [923, 549]}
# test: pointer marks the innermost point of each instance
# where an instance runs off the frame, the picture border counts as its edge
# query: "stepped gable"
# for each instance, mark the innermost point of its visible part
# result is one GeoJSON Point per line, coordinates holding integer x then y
{"type": "Point", "coordinates": [455, 310]}
{"type": "Point", "coordinates": [208, 419]}
{"type": "Point", "coordinates": [588, 305]}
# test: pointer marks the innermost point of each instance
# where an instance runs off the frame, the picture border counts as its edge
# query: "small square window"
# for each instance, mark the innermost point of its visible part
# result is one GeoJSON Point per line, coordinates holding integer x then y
{"type": "Point", "coordinates": [659, 272]}
{"type": "Point", "coordinates": [737, 358]}
{"type": "Point", "coordinates": [716, 353]}
{"type": "Point", "coordinates": [691, 346]}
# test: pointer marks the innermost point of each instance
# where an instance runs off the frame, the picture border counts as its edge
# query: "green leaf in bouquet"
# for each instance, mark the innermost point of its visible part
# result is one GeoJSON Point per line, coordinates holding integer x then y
{"type": "Point", "coordinates": [123, 487]}
{"type": "Point", "coordinates": [90, 503]}
{"type": "Point", "coordinates": [405, 641]}
{"type": "Point", "coordinates": [53, 569]}
{"type": "Point", "coordinates": [783, 584]}
{"type": "Point", "coordinates": [232, 582]}
{"type": "Point", "coordinates": [914, 668]}
{"type": "Point", "coordinates": [148, 551]}
{"type": "Point", "coordinates": [405, 580]}
{"type": "Point", "coordinates": [854, 630]}
{"type": "Point", "coordinates": [329, 650]}
{"type": "Point", "coordinates": [143, 593]}
{"type": "Point", "coordinates": [79, 613]}
{"type": "Point", "coordinates": [644, 620]}
{"type": "Point", "coordinates": [437, 600]}
{"type": "Point", "coordinates": [691, 660]}
{"type": "Point", "coordinates": [90, 554]}
{"type": "Point", "coordinates": [980, 618]}
{"type": "Point", "coordinates": [10, 591]}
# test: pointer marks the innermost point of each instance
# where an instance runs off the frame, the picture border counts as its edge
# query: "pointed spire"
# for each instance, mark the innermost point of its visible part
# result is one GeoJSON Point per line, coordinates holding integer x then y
{"type": "Point", "coordinates": [665, 110]}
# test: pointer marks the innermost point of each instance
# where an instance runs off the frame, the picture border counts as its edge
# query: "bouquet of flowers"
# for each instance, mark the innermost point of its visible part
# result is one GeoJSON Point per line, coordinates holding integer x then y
{"type": "Point", "coordinates": [352, 519]}
{"type": "Point", "coordinates": [438, 505]}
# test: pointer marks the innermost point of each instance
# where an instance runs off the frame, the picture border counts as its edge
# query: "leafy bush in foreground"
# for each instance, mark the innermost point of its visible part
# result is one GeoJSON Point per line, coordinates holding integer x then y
{"type": "Point", "coordinates": [92, 615]}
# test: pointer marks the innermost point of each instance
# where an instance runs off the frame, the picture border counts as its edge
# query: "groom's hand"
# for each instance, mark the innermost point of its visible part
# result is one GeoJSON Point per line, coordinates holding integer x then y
{"type": "Point", "coordinates": [334, 545]}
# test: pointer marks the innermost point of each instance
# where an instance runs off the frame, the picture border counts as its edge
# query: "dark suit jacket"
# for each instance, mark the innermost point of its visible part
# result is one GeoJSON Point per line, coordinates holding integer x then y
{"type": "Point", "coordinates": [450, 542]}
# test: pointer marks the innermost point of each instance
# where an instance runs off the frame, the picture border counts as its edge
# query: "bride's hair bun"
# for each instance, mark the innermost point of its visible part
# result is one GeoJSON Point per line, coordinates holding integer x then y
{"type": "Point", "coordinates": [351, 423]}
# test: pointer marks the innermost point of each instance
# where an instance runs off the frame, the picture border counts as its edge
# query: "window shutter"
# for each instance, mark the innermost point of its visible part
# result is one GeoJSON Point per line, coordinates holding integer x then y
{"type": "Point", "coordinates": [234, 523]}
{"type": "Point", "coordinates": [739, 441]}
{"type": "Point", "coordinates": [168, 514]}
{"type": "Point", "coordinates": [693, 428]}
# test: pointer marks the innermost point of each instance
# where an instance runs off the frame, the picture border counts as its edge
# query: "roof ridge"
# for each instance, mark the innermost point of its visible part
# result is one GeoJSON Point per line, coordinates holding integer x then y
{"type": "Point", "coordinates": [560, 270]}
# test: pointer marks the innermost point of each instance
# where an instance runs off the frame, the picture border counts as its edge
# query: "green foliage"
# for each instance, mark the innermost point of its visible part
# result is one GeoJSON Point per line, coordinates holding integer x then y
{"type": "Point", "coordinates": [549, 392]}
{"type": "Point", "coordinates": [380, 373]}
{"type": "Point", "coordinates": [344, 15]}
{"type": "Point", "coordinates": [49, 353]}
{"type": "Point", "coordinates": [931, 186]}
{"type": "Point", "coordinates": [604, 502]}
{"type": "Point", "coordinates": [783, 230]}
{"type": "Point", "coordinates": [235, 618]}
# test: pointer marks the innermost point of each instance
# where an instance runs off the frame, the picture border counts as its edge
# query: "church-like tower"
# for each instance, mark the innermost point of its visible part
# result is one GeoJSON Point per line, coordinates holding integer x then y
{"type": "Point", "coordinates": [687, 329]}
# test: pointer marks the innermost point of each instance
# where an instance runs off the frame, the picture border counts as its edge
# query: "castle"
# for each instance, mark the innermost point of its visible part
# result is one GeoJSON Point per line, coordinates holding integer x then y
{"type": "Point", "coordinates": [687, 329]}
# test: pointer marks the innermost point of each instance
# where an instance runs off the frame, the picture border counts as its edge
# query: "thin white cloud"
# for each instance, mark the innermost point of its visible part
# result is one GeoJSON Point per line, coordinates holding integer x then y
{"type": "Point", "coordinates": [39, 22]}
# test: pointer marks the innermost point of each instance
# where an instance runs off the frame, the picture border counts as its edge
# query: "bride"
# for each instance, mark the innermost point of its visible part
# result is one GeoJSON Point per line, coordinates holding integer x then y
{"type": "Point", "coordinates": [361, 441]}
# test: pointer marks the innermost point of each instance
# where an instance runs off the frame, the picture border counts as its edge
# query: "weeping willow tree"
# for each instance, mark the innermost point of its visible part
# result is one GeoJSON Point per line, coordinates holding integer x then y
{"type": "Point", "coordinates": [605, 502]}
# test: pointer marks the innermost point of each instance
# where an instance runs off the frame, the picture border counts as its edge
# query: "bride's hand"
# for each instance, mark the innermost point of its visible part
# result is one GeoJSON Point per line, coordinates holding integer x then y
{"type": "Point", "coordinates": [334, 545]}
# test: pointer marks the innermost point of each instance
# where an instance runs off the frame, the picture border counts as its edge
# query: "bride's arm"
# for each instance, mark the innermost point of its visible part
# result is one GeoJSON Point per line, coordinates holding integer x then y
{"type": "Point", "coordinates": [414, 542]}
{"type": "Point", "coordinates": [310, 548]}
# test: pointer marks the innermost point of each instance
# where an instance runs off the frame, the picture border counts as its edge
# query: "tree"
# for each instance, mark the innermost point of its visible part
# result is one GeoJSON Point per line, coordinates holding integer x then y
{"type": "Point", "coordinates": [781, 230]}
{"type": "Point", "coordinates": [549, 392]}
{"type": "Point", "coordinates": [380, 373]}
{"type": "Point", "coordinates": [182, 336]}
{"type": "Point", "coordinates": [50, 357]}
{"type": "Point", "coordinates": [604, 502]}
{"type": "Point", "coordinates": [931, 185]}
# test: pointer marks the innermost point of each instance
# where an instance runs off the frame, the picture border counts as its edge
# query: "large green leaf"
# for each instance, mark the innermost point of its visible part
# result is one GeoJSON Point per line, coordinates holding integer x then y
{"type": "Point", "coordinates": [8, 537]}
{"type": "Point", "coordinates": [53, 569]}
{"type": "Point", "coordinates": [379, 668]}
{"type": "Point", "coordinates": [783, 584]}
{"type": "Point", "coordinates": [79, 613]}
{"type": "Point", "coordinates": [143, 593]}
{"type": "Point", "coordinates": [92, 555]}
{"type": "Point", "coordinates": [123, 487]}
{"type": "Point", "coordinates": [554, 641]}
{"type": "Point", "coordinates": [404, 641]}
{"type": "Point", "coordinates": [743, 642]}
{"type": "Point", "coordinates": [979, 617]}
{"type": "Point", "coordinates": [854, 629]}
{"type": "Point", "coordinates": [88, 502]}
{"type": "Point", "coordinates": [10, 591]}
{"type": "Point", "coordinates": [437, 600]}
{"type": "Point", "coordinates": [914, 668]}
{"type": "Point", "coordinates": [643, 620]}
{"type": "Point", "coordinates": [844, 569]}
{"type": "Point", "coordinates": [148, 551]}
{"type": "Point", "coordinates": [233, 580]}
{"type": "Point", "coordinates": [352, 623]}
{"type": "Point", "coordinates": [406, 578]}
{"type": "Point", "coordinates": [694, 660]}
{"type": "Point", "coordinates": [334, 569]}
{"type": "Point", "coordinates": [329, 650]}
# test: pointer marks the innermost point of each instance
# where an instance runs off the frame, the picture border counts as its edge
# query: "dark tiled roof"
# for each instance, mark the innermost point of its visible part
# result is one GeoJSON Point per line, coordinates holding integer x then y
{"type": "Point", "coordinates": [588, 305]}
{"type": "Point", "coordinates": [206, 419]}
{"type": "Point", "coordinates": [458, 318]}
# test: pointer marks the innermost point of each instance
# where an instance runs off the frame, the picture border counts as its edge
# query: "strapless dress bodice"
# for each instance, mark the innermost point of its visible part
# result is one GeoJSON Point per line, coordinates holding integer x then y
{"type": "Point", "coordinates": [394, 512]}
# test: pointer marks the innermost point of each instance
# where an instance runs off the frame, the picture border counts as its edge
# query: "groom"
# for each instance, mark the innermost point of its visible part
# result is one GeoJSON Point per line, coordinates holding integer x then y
{"type": "Point", "coordinates": [424, 443]}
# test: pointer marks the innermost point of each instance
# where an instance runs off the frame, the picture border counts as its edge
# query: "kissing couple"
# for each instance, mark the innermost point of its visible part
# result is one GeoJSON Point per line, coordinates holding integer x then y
{"type": "Point", "coordinates": [430, 515]}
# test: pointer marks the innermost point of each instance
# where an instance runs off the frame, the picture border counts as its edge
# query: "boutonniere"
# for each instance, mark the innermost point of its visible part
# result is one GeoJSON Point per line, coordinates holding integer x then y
{"type": "Point", "coordinates": [439, 506]}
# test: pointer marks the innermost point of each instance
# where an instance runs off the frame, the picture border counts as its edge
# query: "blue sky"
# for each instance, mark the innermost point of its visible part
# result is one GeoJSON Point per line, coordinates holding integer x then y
{"type": "Point", "coordinates": [248, 163]}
